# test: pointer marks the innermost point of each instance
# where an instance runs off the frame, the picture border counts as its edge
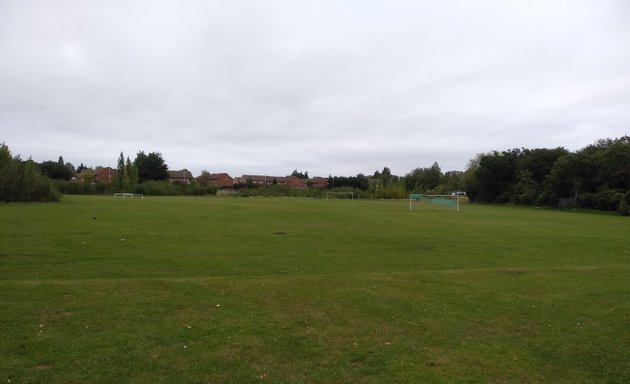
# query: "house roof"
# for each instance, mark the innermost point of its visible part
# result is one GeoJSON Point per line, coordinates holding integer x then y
{"type": "Point", "coordinates": [183, 174]}
{"type": "Point", "coordinates": [216, 176]}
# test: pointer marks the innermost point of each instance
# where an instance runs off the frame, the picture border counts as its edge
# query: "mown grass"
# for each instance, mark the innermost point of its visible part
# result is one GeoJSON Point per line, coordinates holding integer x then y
{"type": "Point", "coordinates": [172, 290]}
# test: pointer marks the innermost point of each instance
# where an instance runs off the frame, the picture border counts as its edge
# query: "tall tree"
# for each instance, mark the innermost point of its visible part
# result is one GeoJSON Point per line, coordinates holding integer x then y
{"type": "Point", "coordinates": [496, 175]}
{"type": "Point", "coordinates": [300, 174]}
{"type": "Point", "coordinates": [22, 181]}
{"type": "Point", "coordinates": [56, 170]}
{"type": "Point", "coordinates": [132, 170]}
{"type": "Point", "coordinates": [151, 166]}
{"type": "Point", "coordinates": [423, 179]}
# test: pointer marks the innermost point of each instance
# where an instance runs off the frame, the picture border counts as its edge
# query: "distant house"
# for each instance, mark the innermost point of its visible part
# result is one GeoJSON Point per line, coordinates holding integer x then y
{"type": "Point", "coordinates": [221, 180]}
{"type": "Point", "coordinates": [256, 180]}
{"type": "Point", "coordinates": [184, 176]}
{"type": "Point", "coordinates": [318, 182]}
{"type": "Point", "coordinates": [291, 182]}
{"type": "Point", "coordinates": [263, 180]}
{"type": "Point", "coordinates": [105, 175]}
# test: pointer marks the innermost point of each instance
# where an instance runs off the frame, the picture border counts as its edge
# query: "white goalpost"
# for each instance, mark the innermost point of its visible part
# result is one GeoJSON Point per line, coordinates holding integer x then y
{"type": "Point", "coordinates": [340, 193]}
{"type": "Point", "coordinates": [125, 195]}
{"type": "Point", "coordinates": [450, 201]}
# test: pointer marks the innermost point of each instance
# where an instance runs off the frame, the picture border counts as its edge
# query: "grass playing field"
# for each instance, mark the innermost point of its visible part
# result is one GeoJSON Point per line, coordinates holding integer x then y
{"type": "Point", "coordinates": [207, 290]}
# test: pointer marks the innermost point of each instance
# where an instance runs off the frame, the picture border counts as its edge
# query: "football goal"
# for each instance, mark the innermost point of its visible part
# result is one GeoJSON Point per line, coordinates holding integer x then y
{"type": "Point", "coordinates": [343, 195]}
{"type": "Point", "coordinates": [125, 195]}
{"type": "Point", "coordinates": [449, 201]}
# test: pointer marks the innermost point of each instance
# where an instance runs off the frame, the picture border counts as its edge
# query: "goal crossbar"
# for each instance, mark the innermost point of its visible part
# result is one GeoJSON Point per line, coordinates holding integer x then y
{"type": "Point", "coordinates": [340, 193]}
{"type": "Point", "coordinates": [125, 195]}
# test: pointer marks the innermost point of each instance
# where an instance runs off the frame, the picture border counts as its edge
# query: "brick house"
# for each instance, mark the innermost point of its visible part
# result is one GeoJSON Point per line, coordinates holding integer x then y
{"type": "Point", "coordinates": [291, 182]}
{"type": "Point", "coordinates": [220, 180]}
{"type": "Point", "coordinates": [184, 176]}
{"type": "Point", "coordinates": [261, 180]}
{"type": "Point", "coordinates": [105, 175]}
{"type": "Point", "coordinates": [256, 180]}
{"type": "Point", "coordinates": [318, 182]}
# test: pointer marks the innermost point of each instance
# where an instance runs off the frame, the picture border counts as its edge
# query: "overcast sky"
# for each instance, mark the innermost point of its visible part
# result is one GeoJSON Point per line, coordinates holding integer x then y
{"type": "Point", "coordinates": [332, 87]}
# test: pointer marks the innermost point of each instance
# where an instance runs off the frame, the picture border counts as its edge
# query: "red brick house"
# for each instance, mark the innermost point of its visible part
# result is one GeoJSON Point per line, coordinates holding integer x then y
{"type": "Point", "coordinates": [220, 180]}
{"type": "Point", "coordinates": [259, 180]}
{"type": "Point", "coordinates": [256, 180]}
{"type": "Point", "coordinates": [105, 175]}
{"type": "Point", "coordinates": [291, 182]}
{"type": "Point", "coordinates": [318, 182]}
{"type": "Point", "coordinates": [184, 176]}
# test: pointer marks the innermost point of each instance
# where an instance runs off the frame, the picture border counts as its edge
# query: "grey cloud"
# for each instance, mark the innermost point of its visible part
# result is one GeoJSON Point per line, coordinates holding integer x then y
{"type": "Point", "coordinates": [330, 87]}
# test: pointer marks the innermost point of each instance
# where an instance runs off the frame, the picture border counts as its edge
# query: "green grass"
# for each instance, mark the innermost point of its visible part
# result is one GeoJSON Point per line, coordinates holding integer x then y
{"type": "Point", "coordinates": [207, 290]}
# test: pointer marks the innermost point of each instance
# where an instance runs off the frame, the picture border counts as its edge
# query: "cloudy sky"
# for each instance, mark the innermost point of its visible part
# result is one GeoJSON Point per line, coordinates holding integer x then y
{"type": "Point", "coordinates": [328, 86]}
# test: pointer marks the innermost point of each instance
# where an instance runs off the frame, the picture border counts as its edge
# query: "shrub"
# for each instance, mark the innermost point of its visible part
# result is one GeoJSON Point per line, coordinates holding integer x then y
{"type": "Point", "coordinates": [21, 181]}
{"type": "Point", "coordinates": [624, 205]}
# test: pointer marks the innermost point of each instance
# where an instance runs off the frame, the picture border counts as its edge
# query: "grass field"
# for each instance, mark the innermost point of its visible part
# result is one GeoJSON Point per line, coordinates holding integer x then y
{"type": "Point", "coordinates": [207, 290]}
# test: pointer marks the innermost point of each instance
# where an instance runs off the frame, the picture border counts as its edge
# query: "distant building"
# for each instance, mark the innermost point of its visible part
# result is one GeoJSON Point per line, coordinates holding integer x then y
{"type": "Point", "coordinates": [184, 176]}
{"type": "Point", "coordinates": [292, 182]}
{"type": "Point", "coordinates": [221, 180]}
{"type": "Point", "coordinates": [257, 180]}
{"type": "Point", "coordinates": [318, 182]}
{"type": "Point", "coordinates": [105, 175]}
{"type": "Point", "coordinates": [263, 180]}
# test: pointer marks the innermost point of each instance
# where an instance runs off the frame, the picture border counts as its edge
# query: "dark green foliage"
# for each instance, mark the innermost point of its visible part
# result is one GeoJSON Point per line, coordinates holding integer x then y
{"type": "Point", "coordinates": [22, 181]}
{"type": "Point", "coordinates": [85, 187]}
{"type": "Point", "coordinates": [165, 188]}
{"type": "Point", "coordinates": [359, 181]}
{"type": "Point", "coordinates": [497, 175]}
{"type": "Point", "coordinates": [151, 167]}
{"type": "Point", "coordinates": [127, 176]}
{"type": "Point", "coordinates": [624, 205]}
{"type": "Point", "coordinates": [300, 174]}
{"type": "Point", "coordinates": [280, 191]}
{"type": "Point", "coordinates": [422, 180]}
{"type": "Point", "coordinates": [595, 177]}
{"type": "Point", "coordinates": [56, 170]}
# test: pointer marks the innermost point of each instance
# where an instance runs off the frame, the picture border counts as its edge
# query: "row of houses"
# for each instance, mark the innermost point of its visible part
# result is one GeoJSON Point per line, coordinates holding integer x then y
{"type": "Point", "coordinates": [221, 180]}
{"type": "Point", "coordinates": [226, 181]}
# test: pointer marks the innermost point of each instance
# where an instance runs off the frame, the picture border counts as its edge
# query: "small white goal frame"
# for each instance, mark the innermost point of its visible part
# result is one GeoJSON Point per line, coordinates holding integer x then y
{"type": "Point", "coordinates": [340, 193]}
{"type": "Point", "coordinates": [125, 195]}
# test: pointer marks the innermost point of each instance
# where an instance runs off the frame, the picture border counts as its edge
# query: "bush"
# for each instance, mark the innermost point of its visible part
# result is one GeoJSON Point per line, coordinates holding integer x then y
{"type": "Point", "coordinates": [165, 188]}
{"type": "Point", "coordinates": [624, 205]}
{"type": "Point", "coordinates": [609, 200]}
{"type": "Point", "coordinates": [279, 191]}
{"type": "Point", "coordinates": [21, 181]}
{"type": "Point", "coordinates": [605, 200]}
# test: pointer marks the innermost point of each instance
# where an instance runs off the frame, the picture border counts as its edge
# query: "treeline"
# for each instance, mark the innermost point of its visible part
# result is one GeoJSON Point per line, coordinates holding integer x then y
{"type": "Point", "coordinates": [595, 177]}
{"type": "Point", "coordinates": [149, 188]}
{"type": "Point", "coordinates": [147, 175]}
{"type": "Point", "coordinates": [22, 181]}
{"type": "Point", "coordinates": [384, 185]}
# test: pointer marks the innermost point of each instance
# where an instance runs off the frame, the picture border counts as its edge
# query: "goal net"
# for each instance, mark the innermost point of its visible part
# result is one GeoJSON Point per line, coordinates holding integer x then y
{"type": "Point", "coordinates": [448, 201]}
{"type": "Point", "coordinates": [340, 195]}
{"type": "Point", "coordinates": [125, 195]}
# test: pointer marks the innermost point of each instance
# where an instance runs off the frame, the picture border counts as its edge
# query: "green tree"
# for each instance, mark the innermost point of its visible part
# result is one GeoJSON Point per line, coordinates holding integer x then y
{"type": "Point", "coordinates": [151, 167]}
{"type": "Point", "coordinates": [423, 179]}
{"type": "Point", "coordinates": [470, 182]}
{"type": "Point", "coordinates": [127, 176]}
{"type": "Point", "coordinates": [496, 175]}
{"type": "Point", "coordinates": [56, 170]}
{"type": "Point", "coordinates": [22, 181]}
{"type": "Point", "coordinates": [300, 174]}
{"type": "Point", "coordinates": [132, 172]}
